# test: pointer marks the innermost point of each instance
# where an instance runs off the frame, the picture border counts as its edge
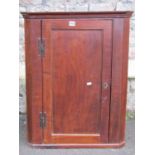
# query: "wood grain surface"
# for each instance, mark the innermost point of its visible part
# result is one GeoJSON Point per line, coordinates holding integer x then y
{"type": "Point", "coordinates": [80, 82]}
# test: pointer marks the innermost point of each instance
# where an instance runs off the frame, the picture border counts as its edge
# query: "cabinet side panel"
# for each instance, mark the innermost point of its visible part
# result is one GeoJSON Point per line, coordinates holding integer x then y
{"type": "Point", "coordinates": [117, 88]}
{"type": "Point", "coordinates": [124, 77]}
{"type": "Point", "coordinates": [33, 80]}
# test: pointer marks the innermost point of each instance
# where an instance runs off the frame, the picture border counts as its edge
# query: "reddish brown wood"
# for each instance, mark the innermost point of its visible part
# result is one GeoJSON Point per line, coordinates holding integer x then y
{"type": "Point", "coordinates": [77, 110]}
{"type": "Point", "coordinates": [124, 76]}
{"type": "Point", "coordinates": [119, 80]}
{"type": "Point", "coordinates": [58, 146]}
{"type": "Point", "coordinates": [116, 89]}
{"type": "Point", "coordinates": [33, 80]}
{"type": "Point", "coordinates": [95, 50]}
{"type": "Point", "coordinates": [74, 64]}
{"type": "Point", "coordinates": [105, 14]}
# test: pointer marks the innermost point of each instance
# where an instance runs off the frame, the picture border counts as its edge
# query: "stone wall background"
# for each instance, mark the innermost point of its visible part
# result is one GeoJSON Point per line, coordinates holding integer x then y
{"type": "Point", "coordinates": [76, 5]}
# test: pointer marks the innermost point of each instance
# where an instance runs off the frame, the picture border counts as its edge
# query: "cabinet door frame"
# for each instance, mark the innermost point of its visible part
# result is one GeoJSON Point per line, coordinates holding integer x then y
{"type": "Point", "coordinates": [106, 27]}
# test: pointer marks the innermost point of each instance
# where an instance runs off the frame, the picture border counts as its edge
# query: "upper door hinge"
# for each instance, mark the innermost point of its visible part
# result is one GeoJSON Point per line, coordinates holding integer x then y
{"type": "Point", "coordinates": [41, 46]}
{"type": "Point", "coordinates": [42, 119]}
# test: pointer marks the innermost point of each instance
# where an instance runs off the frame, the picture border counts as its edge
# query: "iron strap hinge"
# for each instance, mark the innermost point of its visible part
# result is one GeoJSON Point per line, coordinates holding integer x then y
{"type": "Point", "coordinates": [41, 46]}
{"type": "Point", "coordinates": [42, 119]}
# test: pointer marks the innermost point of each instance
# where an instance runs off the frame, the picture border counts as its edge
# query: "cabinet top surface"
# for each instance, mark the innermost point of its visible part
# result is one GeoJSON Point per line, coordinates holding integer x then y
{"type": "Point", "coordinates": [106, 14]}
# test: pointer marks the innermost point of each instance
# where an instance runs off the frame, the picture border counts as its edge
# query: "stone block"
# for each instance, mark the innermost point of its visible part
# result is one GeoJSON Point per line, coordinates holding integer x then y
{"type": "Point", "coordinates": [122, 6]}
{"type": "Point", "coordinates": [101, 7]}
{"type": "Point", "coordinates": [38, 8]}
{"type": "Point", "coordinates": [59, 7]}
{"type": "Point", "coordinates": [21, 22]}
{"type": "Point", "coordinates": [76, 7]}
{"type": "Point", "coordinates": [21, 35]}
{"type": "Point", "coordinates": [29, 2]}
{"type": "Point", "coordinates": [22, 96]}
{"type": "Point", "coordinates": [83, 7]}
{"type": "Point", "coordinates": [22, 9]}
{"type": "Point", "coordinates": [21, 53]}
{"type": "Point", "coordinates": [131, 94]}
{"type": "Point", "coordinates": [56, 1]}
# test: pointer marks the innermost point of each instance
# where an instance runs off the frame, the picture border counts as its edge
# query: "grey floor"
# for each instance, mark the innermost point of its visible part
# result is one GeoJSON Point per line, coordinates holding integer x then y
{"type": "Point", "coordinates": [129, 149]}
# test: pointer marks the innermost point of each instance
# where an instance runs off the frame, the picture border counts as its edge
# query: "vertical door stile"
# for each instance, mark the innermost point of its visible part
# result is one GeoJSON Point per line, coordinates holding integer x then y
{"type": "Point", "coordinates": [106, 80]}
{"type": "Point", "coordinates": [41, 28]}
{"type": "Point", "coordinates": [47, 78]}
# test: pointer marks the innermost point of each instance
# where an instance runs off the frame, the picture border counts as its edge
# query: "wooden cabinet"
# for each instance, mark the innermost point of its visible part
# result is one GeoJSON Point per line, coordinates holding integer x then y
{"type": "Point", "coordinates": [76, 78]}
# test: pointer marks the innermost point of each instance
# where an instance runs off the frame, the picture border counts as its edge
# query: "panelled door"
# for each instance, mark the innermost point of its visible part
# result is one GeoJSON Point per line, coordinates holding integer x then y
{"type": "Point", "coordinates": [76, 80]}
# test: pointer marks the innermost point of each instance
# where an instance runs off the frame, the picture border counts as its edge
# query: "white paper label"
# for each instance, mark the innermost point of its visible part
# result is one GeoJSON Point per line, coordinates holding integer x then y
{"type": "Point", "coordinates": [72, 23]}
{"type": "Point", "coordinates": [89, 83]}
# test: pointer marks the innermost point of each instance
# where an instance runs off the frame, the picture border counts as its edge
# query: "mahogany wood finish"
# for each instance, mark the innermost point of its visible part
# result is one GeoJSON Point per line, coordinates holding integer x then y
{"type": "Point", "coordinates": [33, 80]}
{"type": "Point", "coordinates": [80, 80]}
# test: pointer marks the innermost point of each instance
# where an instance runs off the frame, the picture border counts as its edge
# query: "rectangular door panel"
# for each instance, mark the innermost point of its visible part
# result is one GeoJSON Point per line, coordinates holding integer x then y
{"type": "Point", "coordinates": [76, 70]}
{"type": "Point", "coordinates": [76, 81]}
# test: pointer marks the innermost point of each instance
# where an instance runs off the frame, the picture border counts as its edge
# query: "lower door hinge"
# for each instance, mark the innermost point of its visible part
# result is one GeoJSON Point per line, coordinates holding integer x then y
{"type": "Point", "coordinates": [42, 119]}
{"type": "Point", "coordinates": [41, 46]}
